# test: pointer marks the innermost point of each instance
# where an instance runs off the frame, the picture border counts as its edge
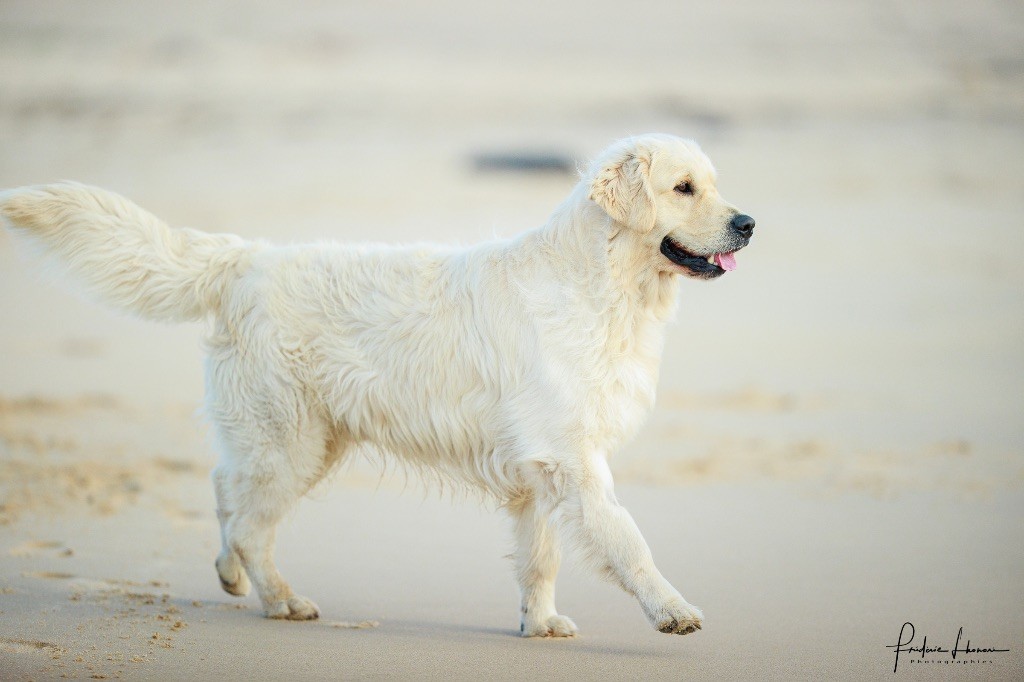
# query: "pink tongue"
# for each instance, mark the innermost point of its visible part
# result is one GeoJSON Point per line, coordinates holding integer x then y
{"type": "Point", "coordinates": [726, 261]}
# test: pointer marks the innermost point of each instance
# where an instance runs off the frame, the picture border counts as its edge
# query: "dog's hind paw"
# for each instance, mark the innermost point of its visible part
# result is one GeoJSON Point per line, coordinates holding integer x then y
{"type": "Point", "coordinates": [232, 576]}
{"type": "Point", "coordinates": [555, 626]}
{"type": "Point", "coordinates": [293, 608]}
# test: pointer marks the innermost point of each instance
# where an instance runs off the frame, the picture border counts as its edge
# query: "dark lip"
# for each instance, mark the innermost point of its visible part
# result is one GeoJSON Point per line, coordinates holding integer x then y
{"type": "Point", "coordinates": [698, 265]}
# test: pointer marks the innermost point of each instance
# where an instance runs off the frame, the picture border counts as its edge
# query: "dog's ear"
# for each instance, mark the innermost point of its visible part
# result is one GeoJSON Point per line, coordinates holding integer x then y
{"type": "Point", "coordinates": [622, 187]}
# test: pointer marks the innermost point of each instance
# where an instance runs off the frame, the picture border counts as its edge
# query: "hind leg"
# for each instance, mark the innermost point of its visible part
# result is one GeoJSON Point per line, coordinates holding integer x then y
{"type": "Point", "coordinates": [230, 569]}
{"type": "Point", "coordinates": [274, 446]}
{"type": "Point", "coordinates": [249, 534]}
{"type": "Point", "coordinates": [233, 577]}
{"type": "Point", "coordinates": [266, 465]}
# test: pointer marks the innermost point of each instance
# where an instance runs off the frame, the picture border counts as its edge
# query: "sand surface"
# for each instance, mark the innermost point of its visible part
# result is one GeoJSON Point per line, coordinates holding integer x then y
{"type": "Point", "coordinates": [838, 446]}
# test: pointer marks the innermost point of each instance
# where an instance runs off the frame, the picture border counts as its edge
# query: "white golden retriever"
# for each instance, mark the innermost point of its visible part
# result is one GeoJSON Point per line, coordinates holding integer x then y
{"type": "Point", "coordinates": [515, 366]}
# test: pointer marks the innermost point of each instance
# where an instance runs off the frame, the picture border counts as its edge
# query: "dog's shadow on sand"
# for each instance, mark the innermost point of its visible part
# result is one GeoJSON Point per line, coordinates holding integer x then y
{"type": "Point", "coordinates": [422, 629]}
{"type": "Point", "coordinates": [443, 634]}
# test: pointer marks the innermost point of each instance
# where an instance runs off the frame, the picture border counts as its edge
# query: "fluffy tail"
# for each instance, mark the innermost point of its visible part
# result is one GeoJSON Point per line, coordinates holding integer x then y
{"type": "Point", "coordinates": [123, 255]}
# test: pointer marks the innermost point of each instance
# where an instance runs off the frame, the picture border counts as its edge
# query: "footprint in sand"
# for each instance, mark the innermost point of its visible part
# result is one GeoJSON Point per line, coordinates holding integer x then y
{"type": "Point", "coordinates": [19, 646]}
{"type": "Point", "coordinates": [33, 547]}
{"type": "Point", "coordinates": [49, 575]}
{"type": "Point", "coordinates": [347, 625]}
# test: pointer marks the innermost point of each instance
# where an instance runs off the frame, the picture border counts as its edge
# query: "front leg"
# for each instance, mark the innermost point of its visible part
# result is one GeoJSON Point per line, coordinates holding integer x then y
{"type": "Point", "coordinates": [609, 537]}
{"type": "Point", "coordinates": [537, 559]}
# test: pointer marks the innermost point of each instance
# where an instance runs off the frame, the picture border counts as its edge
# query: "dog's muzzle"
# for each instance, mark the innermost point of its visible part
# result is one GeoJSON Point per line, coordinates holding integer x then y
{"type": "Point", "coordinates": [716, 264]}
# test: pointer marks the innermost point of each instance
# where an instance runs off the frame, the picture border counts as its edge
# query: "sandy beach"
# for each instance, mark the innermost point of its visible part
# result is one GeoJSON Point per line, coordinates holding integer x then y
{"type": "Point", "coordinates": [851, 460]}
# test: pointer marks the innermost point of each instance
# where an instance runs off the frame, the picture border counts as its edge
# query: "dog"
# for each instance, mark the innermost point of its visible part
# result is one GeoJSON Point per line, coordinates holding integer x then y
{"type": "Point", "coordinates": [515, 367]}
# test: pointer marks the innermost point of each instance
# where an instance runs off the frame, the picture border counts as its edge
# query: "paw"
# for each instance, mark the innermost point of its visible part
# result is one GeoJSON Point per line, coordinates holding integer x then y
{"type": "Point", "coordinates": [678, 618]}
{"type": "Point", "coordinates": [232, 576]}
{"type": "Point", "coordinates": [554, 626]}
{"type": "Point", "coordinates": [293, 608]}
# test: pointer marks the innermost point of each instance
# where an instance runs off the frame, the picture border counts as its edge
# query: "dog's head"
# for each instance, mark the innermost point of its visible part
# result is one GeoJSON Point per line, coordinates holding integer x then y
{"type": "Point", "coordinates": [663, 189]}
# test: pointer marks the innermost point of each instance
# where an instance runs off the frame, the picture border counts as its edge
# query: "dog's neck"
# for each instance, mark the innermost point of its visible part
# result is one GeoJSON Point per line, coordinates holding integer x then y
{"type": "Point", "coordinates": [613, 277]}
{"type": "Point", "coordinates": [610, 258]}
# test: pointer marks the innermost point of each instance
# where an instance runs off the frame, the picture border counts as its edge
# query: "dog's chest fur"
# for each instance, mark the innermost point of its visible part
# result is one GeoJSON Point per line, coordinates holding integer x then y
{"type": "Point", "coordinates": [622, 379]}
{"type": "Point", "coordinates": [604, 354]}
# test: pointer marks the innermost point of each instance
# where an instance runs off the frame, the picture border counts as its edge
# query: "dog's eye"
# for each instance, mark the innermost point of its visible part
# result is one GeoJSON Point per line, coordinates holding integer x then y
{"type": "Point", "coordinates": [685, 187]}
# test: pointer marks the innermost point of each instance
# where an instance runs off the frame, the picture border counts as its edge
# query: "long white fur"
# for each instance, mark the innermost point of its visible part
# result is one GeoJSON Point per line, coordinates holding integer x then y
{"type": "Point", "coordinates": [515, 366]}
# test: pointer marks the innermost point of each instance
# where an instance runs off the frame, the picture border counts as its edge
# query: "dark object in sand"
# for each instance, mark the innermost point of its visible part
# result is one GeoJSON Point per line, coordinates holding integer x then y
{"type": "Point", "coordinates": [523, 162]}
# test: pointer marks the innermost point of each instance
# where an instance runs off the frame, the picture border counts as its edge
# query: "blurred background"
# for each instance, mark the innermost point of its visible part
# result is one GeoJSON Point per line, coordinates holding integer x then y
{"type": "Point", "coordinates": [877, 144]}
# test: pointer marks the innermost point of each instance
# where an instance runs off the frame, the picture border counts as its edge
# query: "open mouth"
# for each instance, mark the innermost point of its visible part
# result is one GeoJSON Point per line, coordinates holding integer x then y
{"type": "Point", "coordinates": [707, 267]}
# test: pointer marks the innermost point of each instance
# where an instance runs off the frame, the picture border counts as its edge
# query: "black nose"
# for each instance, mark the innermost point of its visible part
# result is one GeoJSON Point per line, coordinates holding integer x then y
{"type": "Point", "coordinates": [743, 224]}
